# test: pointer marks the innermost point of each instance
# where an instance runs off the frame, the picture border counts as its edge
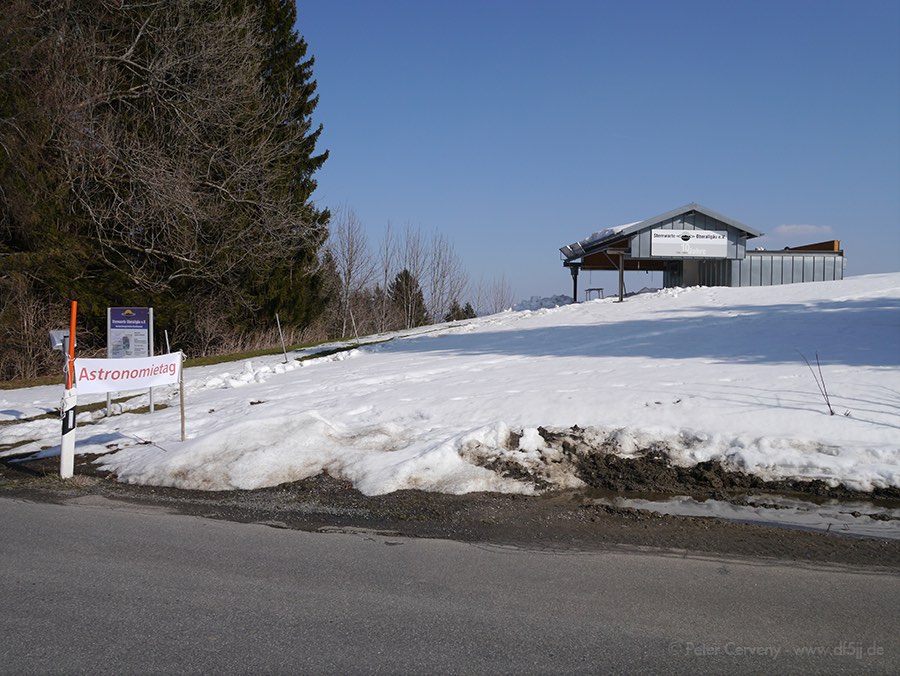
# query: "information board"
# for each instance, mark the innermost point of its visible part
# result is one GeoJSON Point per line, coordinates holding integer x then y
{"type": "Point", "coordinates": [128, 332]}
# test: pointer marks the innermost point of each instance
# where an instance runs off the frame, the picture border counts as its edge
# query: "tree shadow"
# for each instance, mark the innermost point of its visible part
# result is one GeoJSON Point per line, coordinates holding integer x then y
{"type": "Point", "coordinates": [840, 331]}
{"type": "Point", "coordinates": [765, 399]}
{"type": "Point", "coordinates": [54, 451]}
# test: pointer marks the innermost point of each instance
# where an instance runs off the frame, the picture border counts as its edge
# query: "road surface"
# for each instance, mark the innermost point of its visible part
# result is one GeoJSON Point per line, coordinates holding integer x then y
{"type": "Point", "coordinates": [105, 587]}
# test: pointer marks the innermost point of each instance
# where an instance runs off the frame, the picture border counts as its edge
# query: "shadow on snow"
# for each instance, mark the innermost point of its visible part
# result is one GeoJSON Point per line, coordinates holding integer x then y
{"type": "Point", "coordinates": [849, 333]}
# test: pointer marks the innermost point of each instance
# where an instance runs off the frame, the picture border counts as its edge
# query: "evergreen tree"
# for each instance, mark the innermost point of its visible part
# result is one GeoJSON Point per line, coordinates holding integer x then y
{"type": "Point", "coordinates": [458, 313]}
{"type": "Point", "coordinates": [159, 154]}
{"type": "Point", "coordinates": [287, 67]}
{"type": "Point", "coordinates": [297, 288]}
{"type": "Point", "coordinates": [406, 295]}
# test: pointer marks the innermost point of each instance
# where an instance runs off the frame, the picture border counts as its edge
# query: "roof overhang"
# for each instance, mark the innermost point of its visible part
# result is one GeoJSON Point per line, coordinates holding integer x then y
{"type": "Point", "coordinates": [606, 238]}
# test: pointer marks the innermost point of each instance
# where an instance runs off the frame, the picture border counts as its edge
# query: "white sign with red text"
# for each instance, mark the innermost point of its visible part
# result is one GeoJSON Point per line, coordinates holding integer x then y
{"type": "Point", "coordinates": [120, 375]}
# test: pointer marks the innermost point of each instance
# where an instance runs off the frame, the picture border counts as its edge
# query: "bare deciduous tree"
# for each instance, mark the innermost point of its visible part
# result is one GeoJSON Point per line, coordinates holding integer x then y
{"type": "Point", "coordinates": [349, 248]}
{"type": "Point", "coordinates": [25, 320]}
{"type": "Point", "coordinates": [492, 296]}
{"type": "Point", "coordinates": [171, 143]}
{"type": "Point", "coordinates": [189, 192]}
{"type": "Point", "coordinates": [447, 279]}
{"type": "Point", "coordinates": [386, 270]}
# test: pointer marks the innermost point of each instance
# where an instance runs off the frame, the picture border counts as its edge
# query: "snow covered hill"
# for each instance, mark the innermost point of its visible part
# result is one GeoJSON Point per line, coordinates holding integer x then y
{"type": "Point", "coordinates": [703, 373]}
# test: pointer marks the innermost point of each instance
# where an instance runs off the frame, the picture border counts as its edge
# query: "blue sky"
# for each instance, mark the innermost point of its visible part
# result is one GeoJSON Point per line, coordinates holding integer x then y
{"type": "Point", "coordinates": [515, 127]}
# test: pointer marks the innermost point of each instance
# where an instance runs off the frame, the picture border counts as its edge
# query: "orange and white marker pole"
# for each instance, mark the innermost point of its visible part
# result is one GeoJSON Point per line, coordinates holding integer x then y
{"type": "Point", "coordinates": [67, 448]}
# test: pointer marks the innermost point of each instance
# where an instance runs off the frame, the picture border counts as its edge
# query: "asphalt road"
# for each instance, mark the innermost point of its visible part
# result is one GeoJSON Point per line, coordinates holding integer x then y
{"type": "Point", "coordinates": [102, 587]}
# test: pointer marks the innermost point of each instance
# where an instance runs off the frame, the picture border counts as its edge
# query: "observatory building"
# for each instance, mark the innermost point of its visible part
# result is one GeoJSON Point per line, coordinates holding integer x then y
{"type": "Point", "coordinates": [693, 245]}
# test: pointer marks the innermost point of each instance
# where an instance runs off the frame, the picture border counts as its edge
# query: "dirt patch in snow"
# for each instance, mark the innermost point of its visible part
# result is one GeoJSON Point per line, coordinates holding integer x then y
{"type": "Point", "coordinates": [569, 520]}
{"type": "Point", "coordinates": [609, 461]}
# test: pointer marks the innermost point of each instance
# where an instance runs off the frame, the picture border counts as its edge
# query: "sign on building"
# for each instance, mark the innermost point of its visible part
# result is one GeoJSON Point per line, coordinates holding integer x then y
{"type": "Point", "coordinates": [689, 243]}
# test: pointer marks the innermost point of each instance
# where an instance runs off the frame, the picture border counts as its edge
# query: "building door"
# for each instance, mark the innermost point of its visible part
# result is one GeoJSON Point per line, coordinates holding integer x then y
{"type": "Point", "coordinates": [690, 273]}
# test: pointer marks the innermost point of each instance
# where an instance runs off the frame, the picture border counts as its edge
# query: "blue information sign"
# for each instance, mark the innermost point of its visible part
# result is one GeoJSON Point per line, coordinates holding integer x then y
{"type": "Point", "coordinates": [128, 333]}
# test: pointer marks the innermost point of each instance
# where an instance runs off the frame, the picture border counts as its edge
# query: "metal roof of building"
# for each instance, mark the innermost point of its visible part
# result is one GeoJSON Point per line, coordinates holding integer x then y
{"type": "Point", "coordinates": [607, 236]}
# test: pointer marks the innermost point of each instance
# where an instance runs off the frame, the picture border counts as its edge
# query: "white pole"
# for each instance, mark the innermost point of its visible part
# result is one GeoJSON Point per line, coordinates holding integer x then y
{"type": "Point", "coordinates": [67, 443]}
{"type": "Point", "coordinates": [67, 447]}
{"type": "Point", "coordinates": [283, 348]}
{"type": "Point", "coordinates": [168, 347]}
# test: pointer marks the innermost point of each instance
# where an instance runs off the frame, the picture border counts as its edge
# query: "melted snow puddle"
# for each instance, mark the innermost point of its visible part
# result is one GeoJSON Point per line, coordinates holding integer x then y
{"type": "Point", "coordinates": [863, 519]}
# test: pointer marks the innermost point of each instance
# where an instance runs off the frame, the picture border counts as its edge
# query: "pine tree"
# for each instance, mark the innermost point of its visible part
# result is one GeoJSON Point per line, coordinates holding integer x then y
{"type": "Point", "coordinates": [288, 67]}
{"type": "Point", "coordinates": [297, 288]}
{"type": "Point", "coordinates": [406, 295]}
{"type": "Point", "coordinates": [160, 154]}
{"type": "Point", "coordinates": [458, 313]}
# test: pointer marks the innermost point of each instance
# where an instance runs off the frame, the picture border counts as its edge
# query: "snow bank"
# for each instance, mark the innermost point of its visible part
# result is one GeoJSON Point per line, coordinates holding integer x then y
{"type": "Point", "coordinates": [708, 373]}
{"type": "Point", "coordinates": [538, 303]}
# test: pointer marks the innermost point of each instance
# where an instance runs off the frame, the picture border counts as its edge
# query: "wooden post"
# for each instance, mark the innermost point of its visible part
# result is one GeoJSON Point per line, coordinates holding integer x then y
{"type": "Point", "coordinates": [574, 270]}
{"type": "Point", "coordinates": [181, 391]}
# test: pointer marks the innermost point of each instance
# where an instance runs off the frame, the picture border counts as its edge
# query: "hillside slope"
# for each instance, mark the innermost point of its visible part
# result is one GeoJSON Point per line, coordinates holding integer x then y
{"type": "Point", "coordinates": [697, 374]}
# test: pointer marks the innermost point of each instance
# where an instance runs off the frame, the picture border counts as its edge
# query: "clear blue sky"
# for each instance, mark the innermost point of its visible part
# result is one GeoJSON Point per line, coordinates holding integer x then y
{"type": "Point", "coordinates": [516, 127]}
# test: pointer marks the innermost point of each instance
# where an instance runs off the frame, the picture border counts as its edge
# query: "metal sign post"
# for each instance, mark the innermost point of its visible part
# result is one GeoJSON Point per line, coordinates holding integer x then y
{"type": "Point", "coordinates": [150, 331]}
{"type": "Point", "coordinates": [129, 333]}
